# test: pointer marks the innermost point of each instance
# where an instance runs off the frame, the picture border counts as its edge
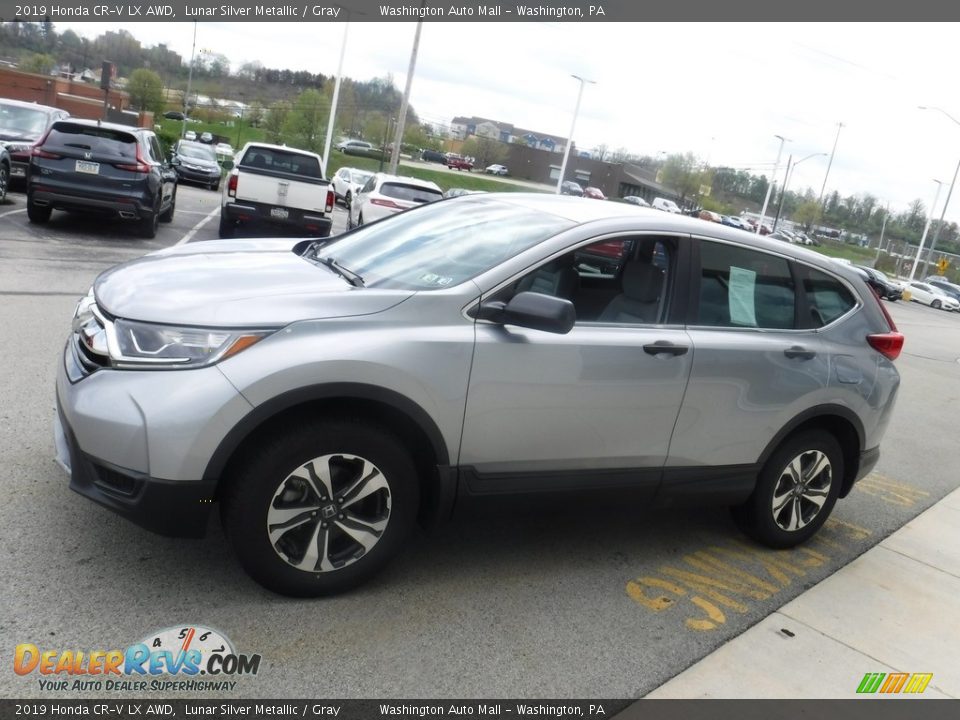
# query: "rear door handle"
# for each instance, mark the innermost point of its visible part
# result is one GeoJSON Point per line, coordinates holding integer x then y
{"type": "Point", "coordinates": [664, 347]}
{"type": "Point", "coordinates": [799, 352]}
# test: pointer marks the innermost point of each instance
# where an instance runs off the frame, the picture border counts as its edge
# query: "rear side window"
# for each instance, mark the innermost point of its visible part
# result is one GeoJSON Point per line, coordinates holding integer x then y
{"type": "Point", "coordinates": [97, 140]}
{"type": "Point", "coordinates": [827, 297]}
{"type": "Point", "coordinates": [412, 193]}
{"type": "Point", "coordinates": [740, 287]}
{"type": "Point", "coordinates": [270, 159]}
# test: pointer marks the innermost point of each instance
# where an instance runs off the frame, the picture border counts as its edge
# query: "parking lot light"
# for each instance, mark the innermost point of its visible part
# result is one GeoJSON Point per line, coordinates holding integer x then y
{"type": "Point", "coordinates": [573, 125]}
{"type": "Point", "coordinates": [926, 228]}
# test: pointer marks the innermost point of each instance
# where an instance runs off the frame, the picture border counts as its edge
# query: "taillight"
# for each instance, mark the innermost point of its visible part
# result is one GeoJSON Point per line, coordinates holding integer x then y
{"type": "Point", "coordinates": [41, 153]}
{"type": "Point", "coordinates": [330, 199]}
{"type": "Point", "coordinates": [140, 166]}
{"type": "Point", "coordinates": [232, 186]}
{"type": "Point", "coordinates": [888, 344]}
{"type": "Point", "coordinates": [385, 203]}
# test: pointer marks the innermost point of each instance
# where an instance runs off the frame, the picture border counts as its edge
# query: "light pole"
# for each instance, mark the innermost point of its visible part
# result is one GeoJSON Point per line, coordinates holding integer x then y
{"type": "Point", "coordinates": [773, 177]}
{"type": "Point", "coordinates": [402, 118]}
{"type": "Point", "coordinates": [830, 164]}
{"type": "Point", "coordinates": [936, 233]}
{"type": "Point", "coordinates": [786, 182]}
{"type": "Point", "coordinates": [926, 228]}
{"type": "Point", "coordinates": [573, 125]}
{"type": "Point", "coordinates": [186, 96]}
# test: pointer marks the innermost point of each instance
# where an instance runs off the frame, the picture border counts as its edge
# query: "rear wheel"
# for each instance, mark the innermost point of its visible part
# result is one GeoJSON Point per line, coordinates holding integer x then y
{"type": "Point", "coordinates": [38, 214]}
{"type": "Point", "coordinates": [227, 227]}
{"type": "Point", "coordinates": [148, 225]}
{"type": "Point", "coordinates": [321, 507]}
{"type": "Point", "coordinates": [347, 199]}
{"type": "Point", "coordinates": [4, 181]}
{"type": "Point", "coordinates": [796, 491]}
{"type": "Point", "coordinates": [360, 219]}
{"type": "Point", "coordinates": [167, 215]}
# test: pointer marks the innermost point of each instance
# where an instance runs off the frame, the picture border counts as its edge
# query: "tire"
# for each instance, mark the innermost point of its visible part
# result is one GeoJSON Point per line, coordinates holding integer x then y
{"type": "Point", "coordinates": [4, 181]}
{"type": "Point", "coordinates": [215, 186]}
{"type": "Point", "coordinates": [360, 220]}
{"type": "Point", "coordinates": [347, 199]}
{"type": "Point", "coordinates": [798, 519]}
{"type": "Point", "coordinates": [37, 214]}
{"type": "Point", "coordinates": [147, 226]}
{"type": "Point", "coordinates": [935, 304]}
{"type": "Point", "coordinates": [227, 227]}
{"type": "Point", "coordinates": [167, 215]}
{"type": "Point", "coordinates": [354, 539]}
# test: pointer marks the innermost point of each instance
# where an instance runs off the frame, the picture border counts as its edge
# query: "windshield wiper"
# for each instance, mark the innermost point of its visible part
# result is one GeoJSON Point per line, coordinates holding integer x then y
{"type": "Point", "coordinates": [349, 275]}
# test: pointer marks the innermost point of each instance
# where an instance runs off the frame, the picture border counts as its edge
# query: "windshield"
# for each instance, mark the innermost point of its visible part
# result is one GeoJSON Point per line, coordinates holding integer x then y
{"type": "Point", "coordinates": [200, 152]}
{"type": "Point", "coordinates": [360, 178]}
{"type": "Point", "coordinates": [22, 121]}
{"type": "Point", "coordinates": [441, 244]}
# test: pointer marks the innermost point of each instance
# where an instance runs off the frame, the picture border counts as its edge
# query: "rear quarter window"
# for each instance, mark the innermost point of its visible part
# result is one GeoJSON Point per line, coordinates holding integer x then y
{"type": "Point", "coordinates": [412, 193]}
{"type": "Point", "coordinates": [827, 297]}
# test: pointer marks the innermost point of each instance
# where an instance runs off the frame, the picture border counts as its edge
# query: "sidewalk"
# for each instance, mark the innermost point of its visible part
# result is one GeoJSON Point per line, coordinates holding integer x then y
{"type": "Point", "coordinates": [896, 608]}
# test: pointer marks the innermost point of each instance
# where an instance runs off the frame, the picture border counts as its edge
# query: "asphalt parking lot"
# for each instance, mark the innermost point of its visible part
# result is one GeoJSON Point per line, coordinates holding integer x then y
{"type": "Point", "coordinates": [569, 597]}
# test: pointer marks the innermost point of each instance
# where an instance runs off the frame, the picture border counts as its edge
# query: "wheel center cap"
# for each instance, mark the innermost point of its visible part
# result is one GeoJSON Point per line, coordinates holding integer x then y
{"type": "Point", "coordinates": [328, 512]}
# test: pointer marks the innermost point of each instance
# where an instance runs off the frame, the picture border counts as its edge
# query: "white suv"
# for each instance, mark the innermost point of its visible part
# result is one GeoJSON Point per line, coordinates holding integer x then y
{"type": "Point", "coordinates": [384, 195]}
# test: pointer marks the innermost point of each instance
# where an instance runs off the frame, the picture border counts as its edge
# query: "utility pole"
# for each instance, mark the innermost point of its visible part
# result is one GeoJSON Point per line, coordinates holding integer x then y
{"type": "Point", "coordinates": [402, 120]}
{"type": "Point", "coordinates": [829, 164]}
{"type": "Point", "coordinates": [773, 179]}
{"type": "Point", "coordinates": [573, 125]}
{"type": "Point", "coordinates": [926, 229]}
{"type": "Point", "coordinates": [186, 96]}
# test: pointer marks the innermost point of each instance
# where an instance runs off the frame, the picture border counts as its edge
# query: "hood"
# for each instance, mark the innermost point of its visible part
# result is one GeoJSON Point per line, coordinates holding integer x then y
{"type": "Point", "coordinates": [199, 162]}
{"type": "Point", "coordinates": [241, 283]}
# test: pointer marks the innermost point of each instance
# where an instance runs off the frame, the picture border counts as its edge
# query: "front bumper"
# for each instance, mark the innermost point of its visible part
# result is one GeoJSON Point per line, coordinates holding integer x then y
{"type": "Point", "coordinates": [207, 177]}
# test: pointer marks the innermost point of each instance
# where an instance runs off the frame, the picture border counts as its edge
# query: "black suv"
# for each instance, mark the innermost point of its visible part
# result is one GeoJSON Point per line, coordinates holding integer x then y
{"type": "Point", "coordinates": [884, 286]}
{"type": "Point", "coordinates": [197, 162]}
{"type": "Point", "coordinates": [114, 170]}
{"type": "Point", "coordinates": [22, 124]}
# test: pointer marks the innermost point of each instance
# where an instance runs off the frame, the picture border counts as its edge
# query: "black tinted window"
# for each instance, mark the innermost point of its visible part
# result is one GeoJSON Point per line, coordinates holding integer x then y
{"type": "Point", "coordinates": [413, 193]}
{"type": "Point", "coordinates": [827, 297]}
{"type": "Point", "coordinates": [740, 287]}
{"type": "Point", "coordinates": [98, 140]}
{"type": "Point", "coordinates": [263, 158]}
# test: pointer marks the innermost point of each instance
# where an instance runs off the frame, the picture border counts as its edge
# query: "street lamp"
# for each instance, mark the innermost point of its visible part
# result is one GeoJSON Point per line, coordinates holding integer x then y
{"type": "Point", "coordinates": [823, 188]}
{"type": "Point", "coordinates": [936, 233]}
{"type": "Point", "coordinates": [786, 181]}
{"type": "Point", "coordinates": [573, 125]}
{"type": "Point", "coordinates": [773, 177]}
{"type": "Point", "coordinates": [923, 238]}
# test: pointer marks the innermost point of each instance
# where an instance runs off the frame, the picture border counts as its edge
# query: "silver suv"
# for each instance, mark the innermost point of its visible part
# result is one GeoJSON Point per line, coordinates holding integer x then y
{"type": "Point", "coordinates": [327, 394]}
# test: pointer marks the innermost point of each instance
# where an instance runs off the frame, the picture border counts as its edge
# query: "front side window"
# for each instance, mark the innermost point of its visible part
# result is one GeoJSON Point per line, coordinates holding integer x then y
{"type": "Point", "coordinates": [744, 288]}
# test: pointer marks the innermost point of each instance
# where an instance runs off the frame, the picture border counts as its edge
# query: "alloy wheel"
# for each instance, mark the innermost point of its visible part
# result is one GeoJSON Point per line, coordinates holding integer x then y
{"type": "Point", "coordinates": [802, 489]}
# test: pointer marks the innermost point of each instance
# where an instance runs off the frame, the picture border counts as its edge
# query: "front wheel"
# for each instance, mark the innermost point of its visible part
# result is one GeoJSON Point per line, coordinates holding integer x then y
{"type": "Point", "coordinates": [320, 507]}
{"type": "Point", "coordinates": [167, 215]}
{"type": "Point", "coordinates": [935, 304]}
{"type": "Point", "coordinates": [796, 491]}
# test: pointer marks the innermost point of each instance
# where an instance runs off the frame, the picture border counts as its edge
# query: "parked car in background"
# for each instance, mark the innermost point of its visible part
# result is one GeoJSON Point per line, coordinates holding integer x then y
{"type": "Point", "coordinates": [384, 195]}
{"type": "Point", "coordinates": [731, 221]}
{"type": "Point", "coordinates": [929, 295]}
{"type": "Point", "coordinates": [4, 172]}
{"type": "Point", "coordinates": [190, 135]}
{"type": "Point", "coordinates": [569, 187]}
{"type": "Point", "coordinates": [355, 147]}
{"type": "Point", "coordinates": [885, 287]}
{"type": "Point", "coordinates": [206, 137]}
{"type": "Point", "coordinates": [102, 168]}
{"type": "Point", "coordinates": [594, 193]}
{"type": "Point", "coordinates": [636, 200]}
{"type": "Point", "coordinates": [457, 192]}
{"type": "Point", "coordinates": [224, 151]}
{"type": "Point", "coordinates": [666, 205]}
{"type": "Point", "coordinates": [22, 126]}
{"type": "Point", "coordinates": [459, 162]}
{"type": "Point", "coordinates": [197, 163]}
{"type": "Point", "coordinates": [276, 187]}
{"type": "Point", "coordinates": [174, 115]}
{"type": "Point", "coordinates": [943, 285]}
{"type": "Point", "coordinates": [347, 182]}
{"type": "Point", "coordinates": [327, 396]}
{"type": "Point", "coordinates": [433, 156]}
{"type": "Point", "coordinates": [710, 216]}
{"type": "Point", "coordinates": [496, 170]}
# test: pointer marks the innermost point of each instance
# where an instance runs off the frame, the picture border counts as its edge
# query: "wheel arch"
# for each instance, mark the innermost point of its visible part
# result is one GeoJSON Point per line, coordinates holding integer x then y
{"type": "Point", "coordinates": [839, 421]}
{"type": "Point", "coordinates": [414, 427]}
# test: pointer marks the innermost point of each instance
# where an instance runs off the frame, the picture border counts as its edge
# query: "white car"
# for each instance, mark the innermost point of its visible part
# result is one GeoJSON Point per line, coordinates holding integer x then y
{"type": "Point", "coordinates": [347, 183]}
{"type": "Point", "coordinates": [190, 135]}
{"type": "Point", "coordinates": [666, 205]}
{"type": "Point", "coordinates": [636, 200]}
{"type": "Point", "coordinates": [356, 146]}
{"type": "Point", "coordinates": [496, 169]}
{"type": "Point", "coordinates": [929, 295]}
{"type": "Point", "coordinates": [224, 149]}
{"type": "Point", "coordinates": [384, 195]}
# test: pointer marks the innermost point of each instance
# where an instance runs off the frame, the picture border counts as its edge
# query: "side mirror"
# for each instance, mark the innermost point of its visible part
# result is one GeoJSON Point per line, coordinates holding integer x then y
{"type": "Point", "coordinates": [531, 310]}
{"type": "Point", "coordinates": [227, 164]}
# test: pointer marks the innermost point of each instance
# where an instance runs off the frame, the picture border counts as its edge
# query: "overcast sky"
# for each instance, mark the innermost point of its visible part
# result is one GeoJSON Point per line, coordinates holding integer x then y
{"type": "Point", "coordinates": [722, 91]}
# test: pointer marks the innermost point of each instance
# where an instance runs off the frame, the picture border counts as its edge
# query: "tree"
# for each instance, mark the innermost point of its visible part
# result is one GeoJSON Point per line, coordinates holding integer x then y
{"type": "Point", "coordinates": [305, 125]}
{"type": "Point", "coordinates": [485, 151]}
{"type": "Point", "coordinates": [39, 63]}
{"type": "Point", "coordinates": [808, 214]}
{"type": "Point", "coordinates": [146, 90]}
{"type": "Point", "coordinates": [600, 152]}
{"type": "Point", "coordinates": [682, 173]}
{"type": "Point", "coordinates": [274, 122]}
{"type": "Point", "coordinates": [254, 113]}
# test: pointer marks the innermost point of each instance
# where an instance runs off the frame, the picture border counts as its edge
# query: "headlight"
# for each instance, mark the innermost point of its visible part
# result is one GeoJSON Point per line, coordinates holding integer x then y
{"type": "Point", "coordinates": [140, 345]}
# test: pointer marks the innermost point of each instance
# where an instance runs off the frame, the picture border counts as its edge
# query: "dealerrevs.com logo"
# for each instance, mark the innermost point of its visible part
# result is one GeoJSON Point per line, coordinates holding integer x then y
{"type": "Point", "coordinates": [188, 657]}
{"type": "Point", "coordinates": [892, 683]}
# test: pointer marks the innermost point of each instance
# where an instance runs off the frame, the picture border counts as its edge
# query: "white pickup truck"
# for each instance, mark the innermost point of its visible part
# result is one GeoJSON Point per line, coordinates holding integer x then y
{"type": "Point", "coordinates": [276, 186]}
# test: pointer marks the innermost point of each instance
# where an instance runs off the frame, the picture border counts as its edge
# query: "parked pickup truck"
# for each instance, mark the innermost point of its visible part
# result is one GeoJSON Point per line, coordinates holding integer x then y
{"type": "Point", "coordinates": [459, 162]}
{"type": "Point", "coordinates": [276, 187]}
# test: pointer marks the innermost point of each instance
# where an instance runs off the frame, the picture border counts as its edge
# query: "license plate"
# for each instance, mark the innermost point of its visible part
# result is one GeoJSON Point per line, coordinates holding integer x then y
{"type": "Point", "coordinates": [18, 172]}
{"type": "Point", "coordinates": [279, 213]}
{"type": "Point", "coordinates": [90, 168]}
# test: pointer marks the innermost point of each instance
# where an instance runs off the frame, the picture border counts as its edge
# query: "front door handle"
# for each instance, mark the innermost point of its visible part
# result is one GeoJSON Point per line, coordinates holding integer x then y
{"type": "Point", "coordinates": [664, 347]}
{"type": "Point", "coordinates": [799, 352]}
